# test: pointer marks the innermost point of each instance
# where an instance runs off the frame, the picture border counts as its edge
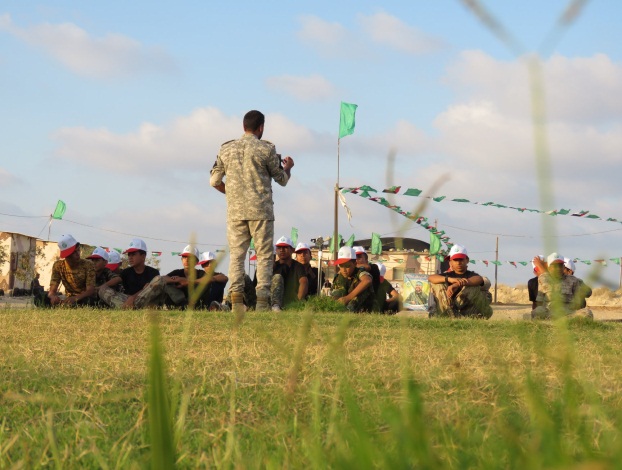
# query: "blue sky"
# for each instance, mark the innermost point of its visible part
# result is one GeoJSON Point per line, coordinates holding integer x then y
{"type": "Point", "coordinates": [119, 110]}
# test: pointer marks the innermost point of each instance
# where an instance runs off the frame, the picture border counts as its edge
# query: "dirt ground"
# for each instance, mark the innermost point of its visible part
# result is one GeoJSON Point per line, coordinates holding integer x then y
{"type": "Point", "coordinates": [512, 304]}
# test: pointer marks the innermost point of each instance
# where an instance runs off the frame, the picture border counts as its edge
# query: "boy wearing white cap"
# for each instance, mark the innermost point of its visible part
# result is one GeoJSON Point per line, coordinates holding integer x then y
{"type": "Point", "coordinates": [142, 285]}
{"type": "Point", "coordinates": [289, 279]}
{"type": "Point", "coordinates": [216, 282]}
{"type": "Point", "coordinates": [353, 285]}
{"type": "Point", "coordinates": [103, 275]}
{"type": "Point", "coordinates": [76, 274]}
{"type": "Point", "coordinates": [458, 291]}
{"type": "Point", "coordinates": [362, 261]}
{"type": "Point", "coordinates": [569, 270]}
{"type": "Point", "coordinates": [559, 292]}
{"type": "Point", "coordinates": [303, 256]}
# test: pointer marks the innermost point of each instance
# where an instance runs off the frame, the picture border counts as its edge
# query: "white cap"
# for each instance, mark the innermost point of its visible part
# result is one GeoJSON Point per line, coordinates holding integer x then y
{"type": "Point", "coordinates": [555, 258]}
{"type": "Point", "coordinates": [189, 250]}
{"type": "Point", "coordinates": [458, 251]}
{"type": "Point", "coordinates": [302, 246]}
{"type": "Point", "coordinates": [114, 260]}
{"type": "Point", "coordinates": [284, 241]}
{"type": "Point", "coordinates": [382, 268]}
{"type": "Point", "coordinates": [135, 245]}
{"type": "Point", "coordinates": [206, 257]}
{"type": "Point", "coordinates": [67, 245]}
{"type": "Point", "coordinates": [345, 254]}
{"type": "Point", "coordinates": [99, 253]}
{"type": "Point", "coordinates": [358, 249]}
{"type": "Point", "coordinates": [569, 264]}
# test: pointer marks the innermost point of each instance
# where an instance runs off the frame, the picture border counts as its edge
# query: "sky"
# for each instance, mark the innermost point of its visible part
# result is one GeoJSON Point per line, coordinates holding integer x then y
{"type": "Point", "coordinates": [119, 110]}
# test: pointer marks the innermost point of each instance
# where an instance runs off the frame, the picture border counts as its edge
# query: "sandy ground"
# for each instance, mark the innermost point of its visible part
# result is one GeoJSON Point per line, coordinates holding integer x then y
{"type": "Point", "coordinates": [512, 304]}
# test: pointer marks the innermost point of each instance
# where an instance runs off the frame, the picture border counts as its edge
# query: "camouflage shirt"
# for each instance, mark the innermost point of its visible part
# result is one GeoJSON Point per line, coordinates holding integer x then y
{"type": "Point", "coordinates": [365, 299]}
{"type": "Point", "coordinates": [104, 276]}
{"type": "Point", "coordinates": [249, 165]}
{"type": "Point", "coordinates": [571, 289]}
{"type": "Point", "coordinates": [76, 280]}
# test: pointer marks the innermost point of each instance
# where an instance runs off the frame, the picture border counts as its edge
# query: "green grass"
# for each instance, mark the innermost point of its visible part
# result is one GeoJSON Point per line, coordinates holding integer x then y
{"type": "Point", "coordinates": [83, 388]}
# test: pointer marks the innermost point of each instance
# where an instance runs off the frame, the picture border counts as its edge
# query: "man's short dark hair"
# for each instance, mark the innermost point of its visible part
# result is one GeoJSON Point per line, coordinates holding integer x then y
{"type": "Point", "coordinates": [253, 120]}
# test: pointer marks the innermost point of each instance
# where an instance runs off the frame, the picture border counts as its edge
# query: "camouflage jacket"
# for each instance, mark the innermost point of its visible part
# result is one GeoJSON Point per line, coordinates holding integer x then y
{"type": "Point", "coordinates": [249, 165]}
{"type": "Point", "coordinates": [572, 291]}
{"type": "Point", "coordinates": [75, 280]}
{"type": "Point", "coordinates": [366, 298]}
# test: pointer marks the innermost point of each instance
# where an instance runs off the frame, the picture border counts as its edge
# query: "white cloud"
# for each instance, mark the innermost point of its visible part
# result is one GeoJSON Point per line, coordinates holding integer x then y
{"type": "Point", "coordinates": [187, 143]}
{"type": "Point", "coordinates": [329, 39]}
{"type": "Point", "coordinates": [111, 56]}
{"type": "Point", "coordinates": [390, 31]}
{"type": "Point", "coordinates": [312, 88]}
{"type": "Point", "coordinates": [583, 89]}
{"type": "Point", "coordinates": [7, 179]}
{"type": "Point", "coordinates": [337, 41]}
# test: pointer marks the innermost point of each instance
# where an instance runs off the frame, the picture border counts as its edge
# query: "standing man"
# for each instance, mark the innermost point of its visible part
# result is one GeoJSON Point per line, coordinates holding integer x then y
{"type": "Point", "coordinates": [249, 165]}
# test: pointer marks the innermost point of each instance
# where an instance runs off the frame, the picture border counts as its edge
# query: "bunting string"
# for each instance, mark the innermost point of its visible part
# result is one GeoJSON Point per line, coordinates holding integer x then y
{"type": "Point", "coordinates": [364, 191]}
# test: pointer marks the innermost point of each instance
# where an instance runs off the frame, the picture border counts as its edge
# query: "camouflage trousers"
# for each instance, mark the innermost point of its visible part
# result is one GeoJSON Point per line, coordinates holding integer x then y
{"type": "Point", "coordinates": [543, 313]}
{"type": "Point", "coordinates": [239, 234]}
{"type": "Point", "coordinates": [250, 296]}
{"type": "Point", "coordinates": [355, 305]}
{"type": "Point", "coordinates": [152, 295]}
{"type": "Point", "coordinates": [469, 302]}
{"type": "Point", "coordinates": [277, 290]}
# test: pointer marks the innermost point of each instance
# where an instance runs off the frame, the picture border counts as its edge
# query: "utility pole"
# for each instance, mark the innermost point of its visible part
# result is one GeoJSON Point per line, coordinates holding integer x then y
{"type": "Point", "coordinates": [496, 267]}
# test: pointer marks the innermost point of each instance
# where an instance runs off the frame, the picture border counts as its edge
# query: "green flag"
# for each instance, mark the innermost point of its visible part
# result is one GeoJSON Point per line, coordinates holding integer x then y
{"type": "Point", "coordinates": [252, 245]}
{"type": "Point", "coordinates": [376, 244]}
{"type": "Point", "coordinates": [350, 241]}
{"type": "Point", "coordinates": [435, 244]}
{"type": "Point", "coordinates": [294, 235]}
{"type": "Point", "coordinates": [346, 121]}
{"type": "Point", "coordinates": [61, 207]}
{"type": "Point", "coordinates": [332, 249]}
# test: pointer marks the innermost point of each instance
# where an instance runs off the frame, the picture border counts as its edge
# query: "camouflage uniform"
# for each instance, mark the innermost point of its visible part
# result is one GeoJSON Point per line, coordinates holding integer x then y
{"type": "Point", "coordinates": [342, 286]}
{"type": "Point", "coordinates": [76, 280]}
{"type": "Point", "coordinates": [570, 291]}
{"type": "Point", "coordinates": [249, 165]}
{"type": "Point", "coordinates": [469, 301]}
{"type": "Point", "coordinates": [151, 295]}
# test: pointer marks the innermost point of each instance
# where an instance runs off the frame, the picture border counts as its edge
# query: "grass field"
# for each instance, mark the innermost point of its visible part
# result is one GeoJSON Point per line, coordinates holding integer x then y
{"type": "Point", "coordinates": [83, 388]}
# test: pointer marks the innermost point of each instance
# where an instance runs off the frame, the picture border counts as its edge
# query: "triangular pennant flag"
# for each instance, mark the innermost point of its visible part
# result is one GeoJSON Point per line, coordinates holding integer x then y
{"type": "Point", "coordinates": [392, 190]}
{"type": "Point", "coordinates": [294, 235]}
{"type": "Point", "coordinates": [412, 192]}
{"type": "Point", "coordinates": [350, 241]}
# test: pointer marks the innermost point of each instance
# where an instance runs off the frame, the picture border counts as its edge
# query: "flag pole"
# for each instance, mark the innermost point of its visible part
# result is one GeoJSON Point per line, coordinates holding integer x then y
{"type": "Point", "coordinates": [336, 218]}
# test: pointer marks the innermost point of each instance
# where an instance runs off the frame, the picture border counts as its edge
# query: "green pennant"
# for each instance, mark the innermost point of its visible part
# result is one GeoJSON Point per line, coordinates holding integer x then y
{"type": "Point", "coordinates": [294, 235]}
{"type": "Point", "coordinates": [438, 199]}
{"type": "Point", "coordinates": [435, 244]}
{"type": "Point", "coordinates": [350, 241]}
{"type": "Point", "coordinates": [412, 192]}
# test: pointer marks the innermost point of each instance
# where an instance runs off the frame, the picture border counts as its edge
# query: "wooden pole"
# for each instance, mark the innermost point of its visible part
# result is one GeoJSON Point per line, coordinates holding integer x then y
{"type": "Point", "coordinates": [496, 267]}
